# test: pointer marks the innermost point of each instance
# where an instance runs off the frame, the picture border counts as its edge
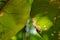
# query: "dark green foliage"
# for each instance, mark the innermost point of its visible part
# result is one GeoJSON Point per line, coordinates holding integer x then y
{"type": "Point", "coordinates": [3, 3]}
{"type": "Point", "coordinates": [52, 11]}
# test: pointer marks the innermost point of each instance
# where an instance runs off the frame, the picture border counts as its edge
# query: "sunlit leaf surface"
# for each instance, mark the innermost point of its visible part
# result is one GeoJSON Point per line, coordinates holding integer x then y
{"type": "Point", "coordinates": [13, 17]}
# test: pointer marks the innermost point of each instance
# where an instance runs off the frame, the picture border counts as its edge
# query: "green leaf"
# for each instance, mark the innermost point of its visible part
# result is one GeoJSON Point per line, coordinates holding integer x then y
{"type": "Point", "coordinates": [47, 13]}
{"type": "Point", "coordinates": [13, 18]}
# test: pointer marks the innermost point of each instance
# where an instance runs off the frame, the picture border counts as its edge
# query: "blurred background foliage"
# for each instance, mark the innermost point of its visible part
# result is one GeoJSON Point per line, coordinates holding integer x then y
{"type": "Point", "coordinates": [46, 13]}
{"type": "Point", "coordinates": [27, 33]}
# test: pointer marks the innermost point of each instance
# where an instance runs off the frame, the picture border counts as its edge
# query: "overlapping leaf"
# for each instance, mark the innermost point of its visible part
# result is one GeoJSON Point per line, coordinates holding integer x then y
{"type": "Point", "coordinates": [46, 12]}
